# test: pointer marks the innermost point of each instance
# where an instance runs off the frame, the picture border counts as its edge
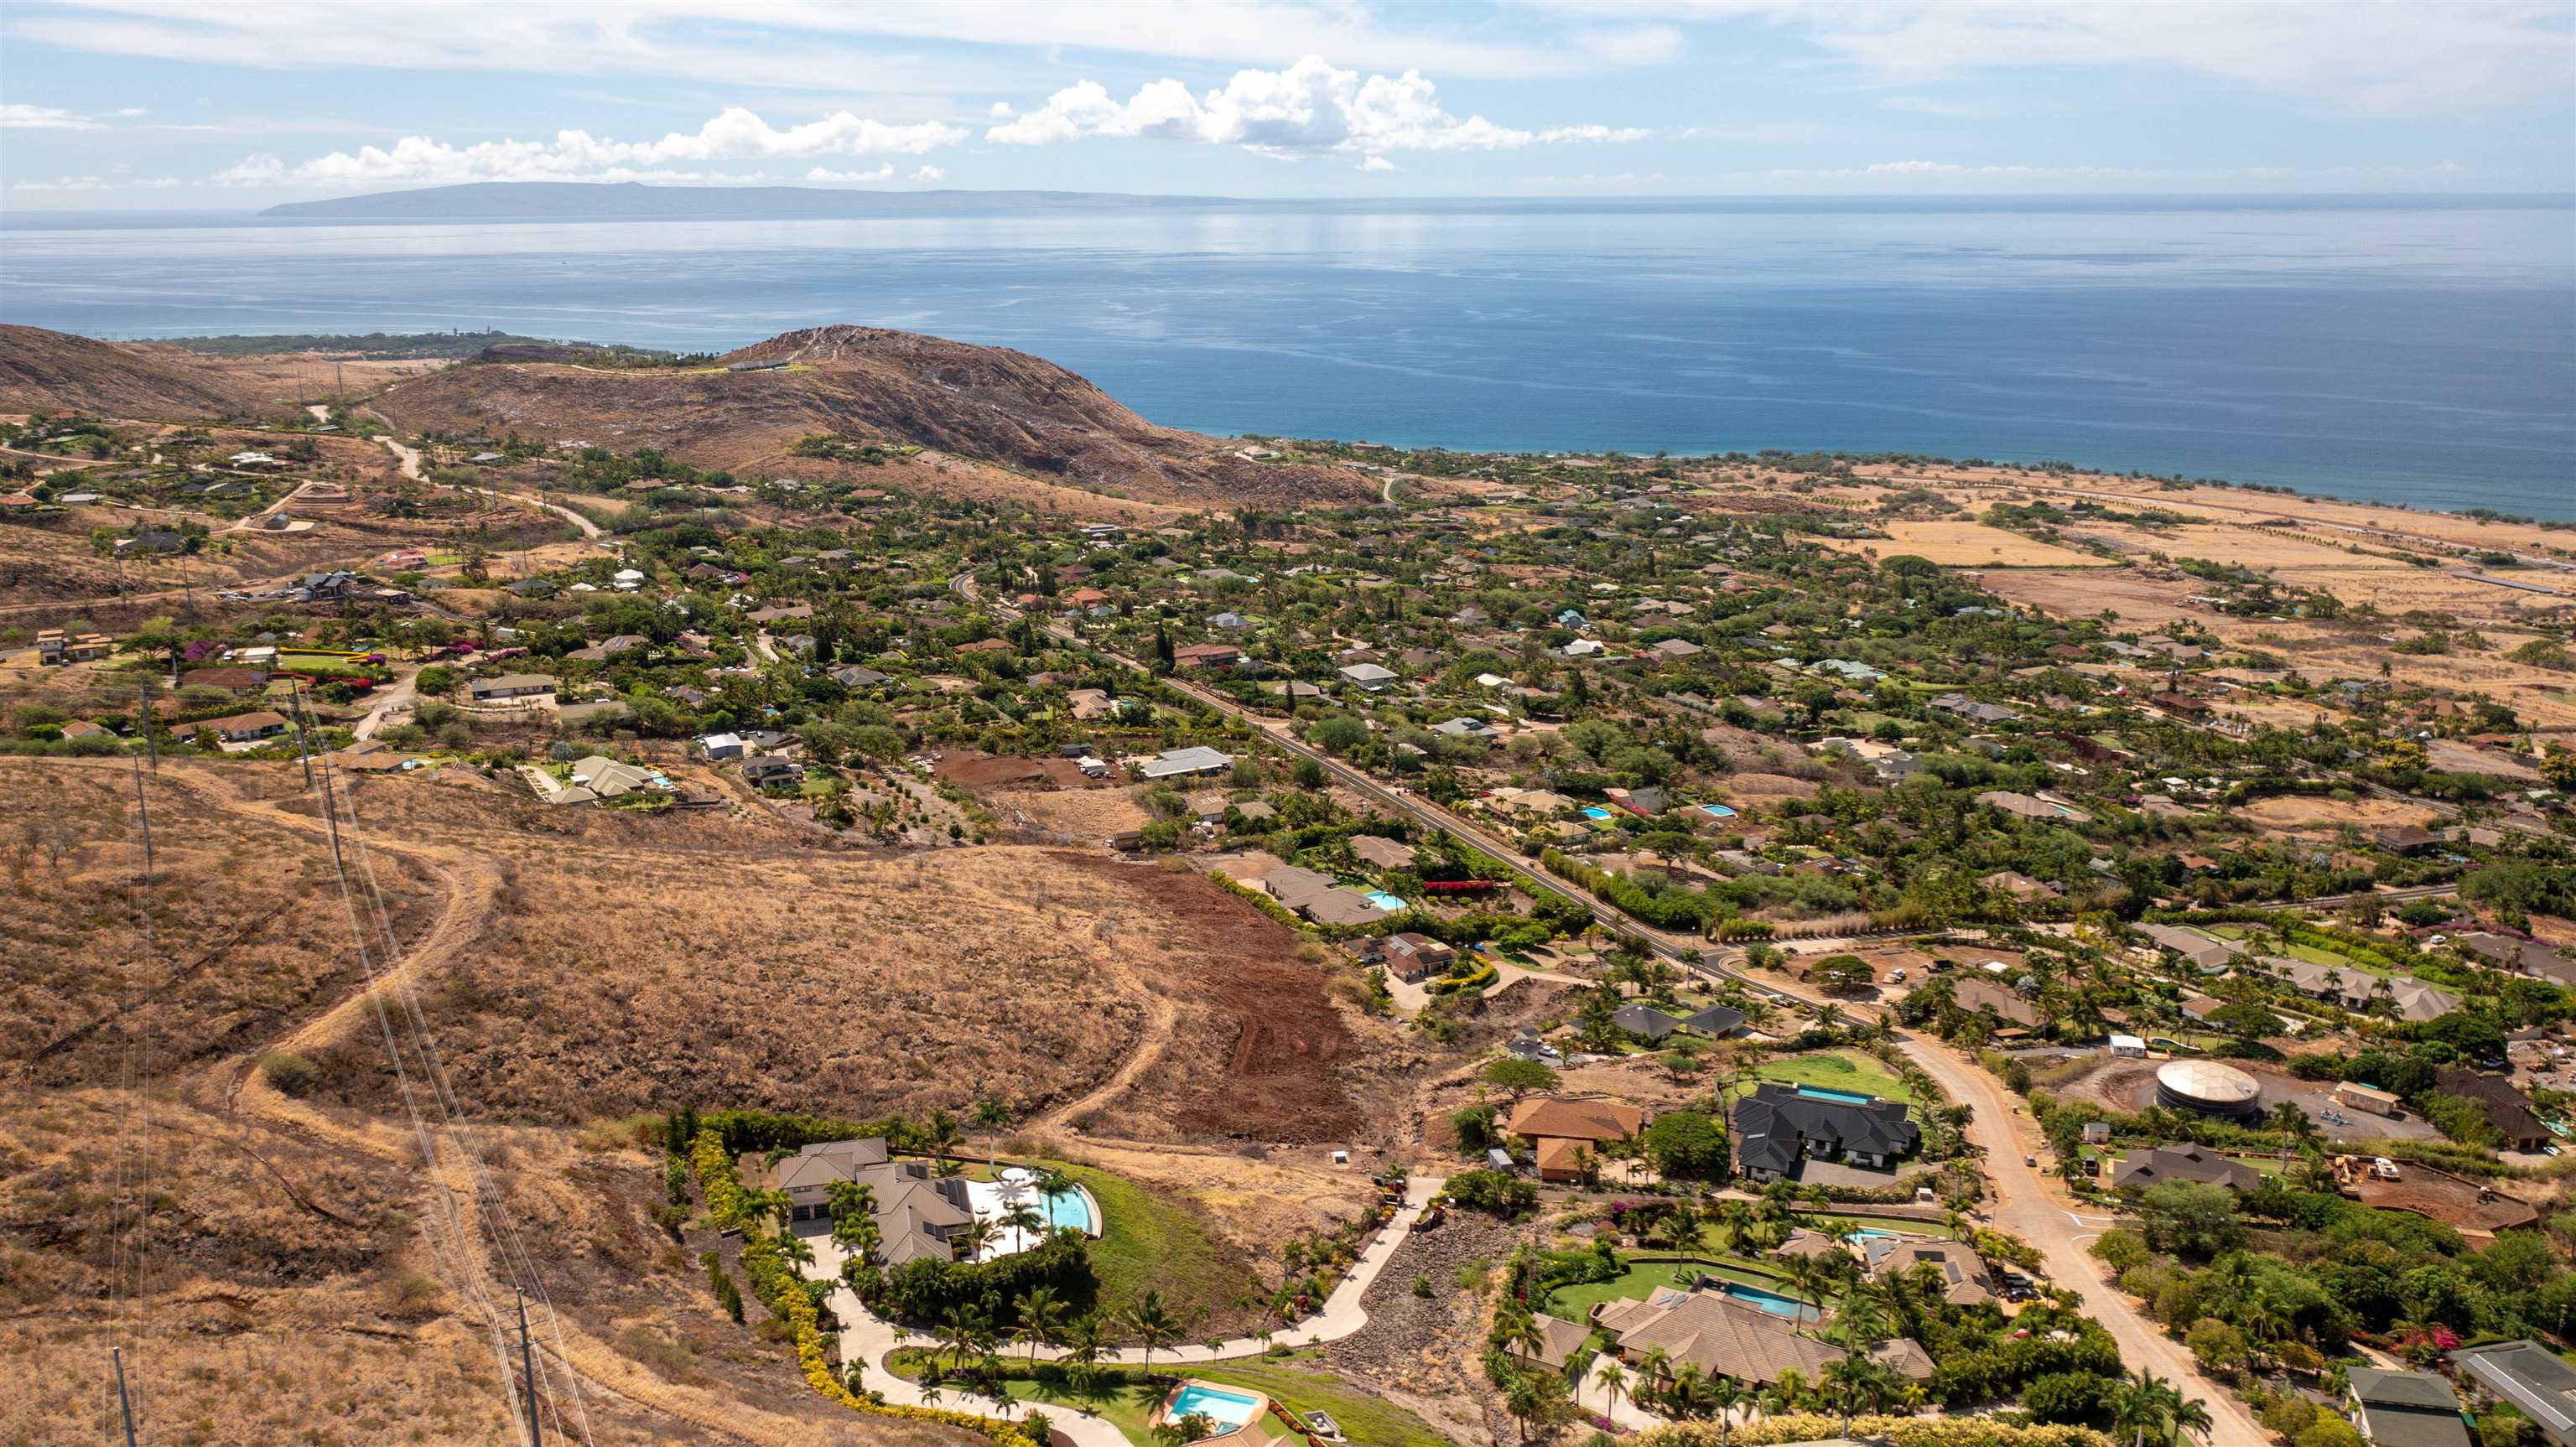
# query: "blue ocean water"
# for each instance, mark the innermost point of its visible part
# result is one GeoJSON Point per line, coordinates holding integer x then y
{"type": "Point", "coordinates": [2399, 351]}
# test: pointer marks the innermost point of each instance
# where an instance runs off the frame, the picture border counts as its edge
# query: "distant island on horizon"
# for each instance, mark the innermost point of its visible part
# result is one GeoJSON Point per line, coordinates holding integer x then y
{"type": "Point", "coordinates": [501, 201]}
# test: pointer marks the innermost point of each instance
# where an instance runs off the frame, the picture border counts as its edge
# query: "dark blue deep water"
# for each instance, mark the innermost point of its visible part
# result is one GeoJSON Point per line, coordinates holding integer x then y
{"type": "Point", "coordinates": [2391, 351]}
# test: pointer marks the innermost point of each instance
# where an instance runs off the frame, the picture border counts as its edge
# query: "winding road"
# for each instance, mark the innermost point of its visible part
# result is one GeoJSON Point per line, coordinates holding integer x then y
{"type": "Point", "coordinates": [2026, 1204]}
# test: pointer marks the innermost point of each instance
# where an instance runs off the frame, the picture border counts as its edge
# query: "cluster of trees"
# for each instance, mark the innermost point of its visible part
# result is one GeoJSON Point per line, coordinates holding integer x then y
{"type": "Point", "coordinates": [2286, 1274]}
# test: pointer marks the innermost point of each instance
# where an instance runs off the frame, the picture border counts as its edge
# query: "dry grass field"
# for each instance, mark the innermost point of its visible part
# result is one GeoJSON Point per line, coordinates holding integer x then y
{"type": "Point", "coordinates": [1964, 545]}
{"type": "Point", "coordinates": [576, 965]}
{"type": "Point", "coordinates": [2301, 814]}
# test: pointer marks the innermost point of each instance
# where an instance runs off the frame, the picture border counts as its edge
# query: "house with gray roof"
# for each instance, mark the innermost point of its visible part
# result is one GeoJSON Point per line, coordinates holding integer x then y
{"type": "Point", "coordinates": [2405, 1409]}
{"type": "Point", "coordinates": [2531, 1377]}
{"type": "Point", "coordinates": [1777, 1126]}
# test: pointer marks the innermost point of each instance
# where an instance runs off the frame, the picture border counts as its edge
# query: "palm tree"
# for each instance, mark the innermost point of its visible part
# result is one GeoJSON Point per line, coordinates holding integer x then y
{"type": "Point", "coordinates": [992, 1115]}
{"type": "Point", "coordinates": [1520, 1332]}
{"type": "Point", "coordinates": [1655, 1368]}
{"type": "Point", "coordinates": [1734, 1216]}
{"type": "Point", "coordinates": [1689, 1391]}
{"type": "Point", "coordinates": [1082, 1349]}
{"type": "Point", "coordinates": [1610, 1377]}
{"type": "Point", "coordinates": [1041, 1316]}
{"type": "Point", "coordinates": [942, 1137]}
{"type": "Point", "coordinates": [974, 1236]}
{"type": "Point", "coordinates": [958, 1333]}
{"type": "Point", "coordinates": [1154, 1327]}
{"type": "Point", "coordinates": [1725, 1396]}
{"type": "Point", "coordinates": [1023, 1218]}
{"type": "Point", "coordinates": [794, 1249]}
{"type": "Point", "coordinates": [854, 1209]}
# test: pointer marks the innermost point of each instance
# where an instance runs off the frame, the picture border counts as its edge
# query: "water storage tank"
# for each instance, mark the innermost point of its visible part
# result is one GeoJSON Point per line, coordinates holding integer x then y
{"type": "Point", "coordinates": [2206, 1087]}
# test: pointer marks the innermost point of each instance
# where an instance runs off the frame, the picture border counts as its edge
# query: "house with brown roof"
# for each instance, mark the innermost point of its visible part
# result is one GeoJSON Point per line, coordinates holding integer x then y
{"type": "Point", "coordinates": [1206, 655]}
{"type": "Point", "coordinates": [2506, 1109]}
{"type": "Point", "coordinates": [1566, 1136]}
{"type": "Point", "coordinates": [230, 680]}
{"type": "Point", "coordinates": [246, 728]}
{"type": "Point", "coordinates": [1725, 1337]}
{"type": "Point", "coordinates": [1978, 994]}
{"type": "Point", "coordinates": [1382, 852]}
{"type": "Point", "coordinates": [1964, 1280]}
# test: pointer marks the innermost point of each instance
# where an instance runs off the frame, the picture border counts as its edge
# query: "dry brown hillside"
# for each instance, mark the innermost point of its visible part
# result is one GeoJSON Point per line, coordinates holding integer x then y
{"type": "Point", "coordinates": [863, 382]}
{"type": "Point", "coordinates": [44, 371]}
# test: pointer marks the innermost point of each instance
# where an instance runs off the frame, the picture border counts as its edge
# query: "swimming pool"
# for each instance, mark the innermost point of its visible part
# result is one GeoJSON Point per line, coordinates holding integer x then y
{"type": "Point", "coordinates": [1385, 901]}
{"type": "Point", "coordinates": [1070, 1209]}
{"type": "Point", "coordinates": [1228, 1409]}
{"type": "Point", "coordinates": [1717, 811]}
{"type": "Point", "coordinates": [1770, 1301]}
{"type": "Point", "coordinates": [1847, 1097]}
{"type": "Point", "coordinates": [1596, 812]}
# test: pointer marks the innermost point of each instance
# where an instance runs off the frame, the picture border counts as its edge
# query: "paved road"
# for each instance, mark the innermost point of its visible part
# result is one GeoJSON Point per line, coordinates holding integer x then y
{"type": "Point", "coordinates": [2029, 1206]}
{"type": "Point", "coordinates": [396, 696]}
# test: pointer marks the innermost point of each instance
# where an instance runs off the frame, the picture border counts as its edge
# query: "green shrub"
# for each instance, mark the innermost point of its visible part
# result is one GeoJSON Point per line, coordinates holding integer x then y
{"type": "Point", "coordinates": [290, 1073]}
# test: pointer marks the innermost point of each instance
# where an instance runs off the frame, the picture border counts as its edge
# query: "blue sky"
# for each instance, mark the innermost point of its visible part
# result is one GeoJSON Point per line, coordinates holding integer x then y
{"type": "Point", "coordinates": [182, 103]}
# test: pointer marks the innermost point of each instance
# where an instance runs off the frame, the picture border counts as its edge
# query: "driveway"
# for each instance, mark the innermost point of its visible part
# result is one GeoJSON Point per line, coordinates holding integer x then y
{"type": "Point", "coordinates": [2029, 1206]}
{"type": "Point", "coordinates": [870, 1338]}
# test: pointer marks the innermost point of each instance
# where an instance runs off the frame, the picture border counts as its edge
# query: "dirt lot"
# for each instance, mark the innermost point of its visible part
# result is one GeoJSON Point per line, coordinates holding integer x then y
{"type": "Point", "coordinates": [2304, 814]}
{"type": "Point", "coordinates": [2450, 1200]}
{"type": "Point", "coordinates": [1091, 813]}
{"type": "Point", "coordinates": [1258, 1049]}
{"type": "Point", "coordinates": [1964, 545]}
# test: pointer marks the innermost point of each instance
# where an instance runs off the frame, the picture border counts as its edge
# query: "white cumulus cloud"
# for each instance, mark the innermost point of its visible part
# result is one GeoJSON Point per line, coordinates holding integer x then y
{"type": "Point", "coordinates": [1376, 163]}
{"type": "Point", "coordinates": [930, 173]}
{"type": "Point", "coordinates": [15, 116]}
{"type": "Point", "coordinates": [1308, 107]}
{"type": "Point", "coordinates": [827, 174]}
{"type": "Point", "coordinates": [735, 135]}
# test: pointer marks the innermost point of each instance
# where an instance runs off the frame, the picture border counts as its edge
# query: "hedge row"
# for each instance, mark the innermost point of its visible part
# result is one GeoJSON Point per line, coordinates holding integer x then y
{"type": "Point", "coordinates": [1900, 1431]}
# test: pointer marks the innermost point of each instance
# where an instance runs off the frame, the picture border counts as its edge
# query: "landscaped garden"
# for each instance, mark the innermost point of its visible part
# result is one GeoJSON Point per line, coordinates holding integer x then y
{"type": "Point", "coordinates": [1124, 1398]}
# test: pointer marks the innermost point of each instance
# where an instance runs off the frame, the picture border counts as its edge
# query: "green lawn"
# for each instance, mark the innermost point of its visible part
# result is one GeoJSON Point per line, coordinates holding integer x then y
{"type": "Point", "coordinates": [1575, 1303]}
{"type": "Point", "coordinates": [1150, 1242]}
{"type": "Point", "coordinates": [1836, 1070]}
{"type": "Point", "coordinates": [1290, 1381]}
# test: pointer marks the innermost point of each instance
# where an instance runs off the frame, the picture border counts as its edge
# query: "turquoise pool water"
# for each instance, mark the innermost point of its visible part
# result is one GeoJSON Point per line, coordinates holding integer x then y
{"type": "Point", "coordinates": [1596, 812]}
{"type": "Point", "coordinates": [1848, 1097]}
{"type": "Point", "coordinates": [1385, 901]}
{"type": "Point", "coordinates": [1717, 811]}
{"type": "Point", "coordinates": [1070, 1210]}
{"type": "Point", "coordinates": [1874, 1231]}
{"type": "Point", "coordinates": [1233, 1409]}
{"type": "Point", "coordinates": [1770, 1301]}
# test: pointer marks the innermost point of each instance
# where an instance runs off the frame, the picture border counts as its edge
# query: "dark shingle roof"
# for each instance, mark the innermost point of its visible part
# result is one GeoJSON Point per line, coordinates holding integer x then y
{"type": "Point", "coordinates": [1774, 1121]}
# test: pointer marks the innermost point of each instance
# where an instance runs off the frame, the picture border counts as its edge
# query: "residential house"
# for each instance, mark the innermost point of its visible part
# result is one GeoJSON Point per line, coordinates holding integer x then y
{"type": "Point", "coordinates": [2357, 990]}
{"type": "Point", "coordinates": [509, 686]}
{"type": "Point", "coordinates": [1369, 677]}
{"type": "Point", "coordinates": [2405, 1409]}
{"type": "Point", "coordinates": [763, 771]}
{"type": "Point", "coordinates": [851, 675]}
{"type": "Point", "coordinates": [1206, 655]}
{"type": "Point", "coordinates": [1645, 1022]}
{"type": "Point", "coordinates": [2530, 1376]}
{"type": "Point", "coordinates": [917, 1211]}
{"type": "Point", "coordinates": [719, 747]}
{"type": "Point", "coordinates": [1725, 1337]}
{"type": "Point", "coordinates": [1382, 852]}
{"type": "Point", "coordinates": [1715, 1022]}
{"type": "Point", "coordinates": [1566, 1136]}
{"type": "Point", "coordinates": [246, 728]}
{"type": "Point", "coordinates": [2200, 949]}
{"type": "Point", "coordinates": [1778, 1125]}
{"type": "Point", "coordinates": [2529, 957]}
{"type": "Point", "coordinates": [2181, 1161]}
{"type": "Point", "coordinates": [1177, 763]}
{"type": "Point", "coordinates": [1979, 994]}
{"type": "Point", "coordinates": [1560, 1342]}
{"type": "Point", "coordinates": [1964, 1279]}
{"type": "Point", "coordinates": [573, 715]}
{"type": "Point", "coordinates": [2507, 1109]}
{"type": "Point", "coordinates": [1959, 705]}
{"type": "Point", "coordinates": [1417, 957]}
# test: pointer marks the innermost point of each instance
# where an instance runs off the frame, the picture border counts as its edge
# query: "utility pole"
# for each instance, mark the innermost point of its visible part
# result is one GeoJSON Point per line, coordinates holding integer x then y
{"type": "Point", "coordinates": [143, 704]}
{"type": "Point", "coordinates": [295, 700]}
{"type": "Point", "coordinates": [528, 1368]}
{"type": "Point", "coordinates": [124, 1404]}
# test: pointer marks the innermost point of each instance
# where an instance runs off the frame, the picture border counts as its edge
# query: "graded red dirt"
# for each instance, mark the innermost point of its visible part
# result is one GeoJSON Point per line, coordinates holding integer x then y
{"type": "Point", "coordinates": [1259, 1050]}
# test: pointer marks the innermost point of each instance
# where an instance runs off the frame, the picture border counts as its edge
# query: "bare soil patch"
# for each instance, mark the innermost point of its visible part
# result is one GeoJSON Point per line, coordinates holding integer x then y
{"type": "Point", "coordinates": [1259, 1051]}
{"type": "Point", "coordinates": [1964, 545]}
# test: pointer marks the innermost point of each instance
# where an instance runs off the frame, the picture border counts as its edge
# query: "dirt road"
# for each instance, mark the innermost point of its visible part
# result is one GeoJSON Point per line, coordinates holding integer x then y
{"type": "Point", "coordinates": [396, 697]}
{"type": "Point", "coordinates": [2029, 1206]}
